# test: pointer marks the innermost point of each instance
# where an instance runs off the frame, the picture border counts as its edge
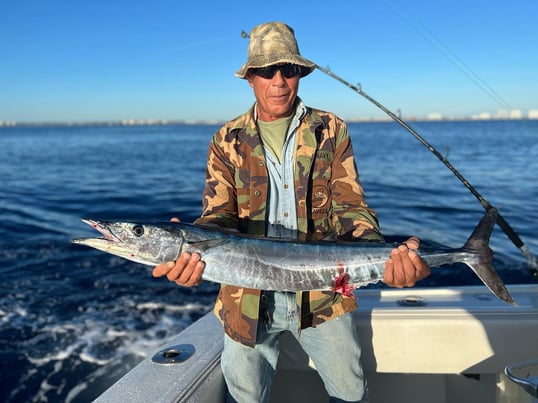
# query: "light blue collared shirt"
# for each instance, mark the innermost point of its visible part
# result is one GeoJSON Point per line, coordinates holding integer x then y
{"type": "Point", "coordinates": [281, 207]}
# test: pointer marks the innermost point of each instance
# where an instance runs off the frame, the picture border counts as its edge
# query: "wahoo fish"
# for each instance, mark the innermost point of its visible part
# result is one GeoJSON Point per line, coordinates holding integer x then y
{"type": "Point", "coordinates": [281, 264]}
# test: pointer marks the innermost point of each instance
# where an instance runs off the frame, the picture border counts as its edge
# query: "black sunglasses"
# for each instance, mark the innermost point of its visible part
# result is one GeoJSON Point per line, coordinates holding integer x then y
{"type": "Point", "coordinates": [287, 70]}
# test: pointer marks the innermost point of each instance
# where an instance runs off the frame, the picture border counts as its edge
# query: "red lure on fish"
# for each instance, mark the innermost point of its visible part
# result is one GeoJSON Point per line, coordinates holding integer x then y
{"type": "Point", "coordinates": [342, 284]}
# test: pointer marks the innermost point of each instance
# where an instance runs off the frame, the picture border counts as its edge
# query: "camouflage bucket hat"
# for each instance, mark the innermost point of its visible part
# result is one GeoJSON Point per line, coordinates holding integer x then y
{"type": "Point", "coordinates": [274, 43]}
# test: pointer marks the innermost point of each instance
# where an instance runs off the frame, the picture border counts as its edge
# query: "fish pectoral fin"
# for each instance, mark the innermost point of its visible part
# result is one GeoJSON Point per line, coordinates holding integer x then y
{"type": "Point", "coordinates": [203, 246]}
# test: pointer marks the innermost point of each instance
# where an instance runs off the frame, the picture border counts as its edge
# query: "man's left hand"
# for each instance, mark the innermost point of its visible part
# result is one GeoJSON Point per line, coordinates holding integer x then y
{"type": "Point", "coordinates": [405, 267]}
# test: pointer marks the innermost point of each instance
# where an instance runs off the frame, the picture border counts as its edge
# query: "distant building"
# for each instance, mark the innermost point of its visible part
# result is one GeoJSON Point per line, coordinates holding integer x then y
{"type": "Point", "coordinates": [533, 114]}
{"type": "Point", "coordinates": [502, 114]}
{"type": "Point", "coordinates": [516, 114]}
{"type": "Point", "coordinates": [434, 116]}
{"type": "Point", "coordinates": [481, 116]}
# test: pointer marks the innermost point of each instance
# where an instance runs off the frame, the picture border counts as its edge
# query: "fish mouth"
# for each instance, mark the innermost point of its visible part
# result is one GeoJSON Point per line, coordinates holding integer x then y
{"type": "Point", "coordinates": [107, 242]}
{"type": "Point", "coordinates": [103, 229]}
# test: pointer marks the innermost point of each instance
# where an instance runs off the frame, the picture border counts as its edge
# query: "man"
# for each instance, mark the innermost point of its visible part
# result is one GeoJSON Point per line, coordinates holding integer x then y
{"type": "Point", "coordinates": [285, 166]}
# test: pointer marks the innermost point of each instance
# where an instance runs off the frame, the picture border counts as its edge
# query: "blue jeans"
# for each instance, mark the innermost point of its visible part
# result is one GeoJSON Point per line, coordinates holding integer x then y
{"type": "Point", "coordinates": [333, 347]}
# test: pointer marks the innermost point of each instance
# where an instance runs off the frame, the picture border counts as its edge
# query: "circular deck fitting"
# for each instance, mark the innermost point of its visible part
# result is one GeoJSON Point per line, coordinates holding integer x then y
{"type": "Point", "coordinates": [412, 300]}
{"type": "Point", "coordinates": [174, 354]}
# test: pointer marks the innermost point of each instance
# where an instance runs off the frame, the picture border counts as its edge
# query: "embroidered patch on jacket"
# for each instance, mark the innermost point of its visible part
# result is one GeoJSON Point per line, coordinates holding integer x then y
{"type": "Point", "coordinates": [320, 196]}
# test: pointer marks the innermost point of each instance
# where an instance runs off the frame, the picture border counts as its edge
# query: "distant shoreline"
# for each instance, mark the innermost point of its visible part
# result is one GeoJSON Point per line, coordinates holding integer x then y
{"type": "Point", "coordinates": [218, 123]}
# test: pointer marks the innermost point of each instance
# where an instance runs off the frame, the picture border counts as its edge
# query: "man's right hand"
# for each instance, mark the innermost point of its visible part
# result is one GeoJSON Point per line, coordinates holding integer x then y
{"type": "Point", "coordinates": [185, 271]}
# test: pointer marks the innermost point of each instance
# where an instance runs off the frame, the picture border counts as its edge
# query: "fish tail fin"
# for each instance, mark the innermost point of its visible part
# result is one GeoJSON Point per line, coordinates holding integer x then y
{"type": "Point", "coordinates": [478, 243]}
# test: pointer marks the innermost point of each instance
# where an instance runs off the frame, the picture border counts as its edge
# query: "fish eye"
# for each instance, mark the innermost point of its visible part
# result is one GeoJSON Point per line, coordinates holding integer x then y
{"type": "Point", "coordinates": [138, 230]}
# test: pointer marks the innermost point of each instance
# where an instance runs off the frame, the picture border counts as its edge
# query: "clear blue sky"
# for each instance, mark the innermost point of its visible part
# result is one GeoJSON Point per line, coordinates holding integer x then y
{"type": "Point", "coordinates": [81, 60]}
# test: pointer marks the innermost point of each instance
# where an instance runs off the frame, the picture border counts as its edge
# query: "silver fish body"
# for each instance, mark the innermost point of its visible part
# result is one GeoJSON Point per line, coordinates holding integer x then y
{"type": "Point", "coordinates": [284, 265]}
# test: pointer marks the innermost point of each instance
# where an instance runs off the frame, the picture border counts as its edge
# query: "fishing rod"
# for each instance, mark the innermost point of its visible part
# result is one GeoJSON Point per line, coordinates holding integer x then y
{"type": "Point", "coordinates": [512, 235]}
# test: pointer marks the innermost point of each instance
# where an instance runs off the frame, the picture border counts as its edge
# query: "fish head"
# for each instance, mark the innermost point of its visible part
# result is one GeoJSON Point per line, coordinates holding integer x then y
{"type": "Point", "coordinates": [138, 242]}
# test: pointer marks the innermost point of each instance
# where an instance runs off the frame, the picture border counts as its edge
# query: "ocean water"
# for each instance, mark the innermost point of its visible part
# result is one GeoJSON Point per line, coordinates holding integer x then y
{"type": "Point", "coordinates": [73, 320]}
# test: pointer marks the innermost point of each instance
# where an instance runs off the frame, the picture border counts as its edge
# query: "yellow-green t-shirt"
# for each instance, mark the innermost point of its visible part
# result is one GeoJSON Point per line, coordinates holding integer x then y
{"type": "Point", "coordinates": [274, 133]}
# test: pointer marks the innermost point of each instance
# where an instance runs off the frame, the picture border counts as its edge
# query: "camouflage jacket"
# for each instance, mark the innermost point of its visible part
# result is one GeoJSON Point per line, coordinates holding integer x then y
{"type": "Point", "coordinates": [329, 199]}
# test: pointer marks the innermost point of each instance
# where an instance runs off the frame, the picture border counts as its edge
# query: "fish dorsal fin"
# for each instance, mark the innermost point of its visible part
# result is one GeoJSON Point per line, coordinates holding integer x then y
{"type": "Point", "coordinates": [203, 246]}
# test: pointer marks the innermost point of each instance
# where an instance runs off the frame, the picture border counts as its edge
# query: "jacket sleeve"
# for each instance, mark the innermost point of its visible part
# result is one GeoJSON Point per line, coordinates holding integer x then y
{"type": "Point", "coordinates": [352, 218]}
{"type": "Point", "coordinates": [219, 199]}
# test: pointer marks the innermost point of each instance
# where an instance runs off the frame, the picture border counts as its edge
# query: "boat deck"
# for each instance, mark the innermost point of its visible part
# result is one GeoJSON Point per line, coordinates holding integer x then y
{"type": "Point", "coordinates": [419, 345]}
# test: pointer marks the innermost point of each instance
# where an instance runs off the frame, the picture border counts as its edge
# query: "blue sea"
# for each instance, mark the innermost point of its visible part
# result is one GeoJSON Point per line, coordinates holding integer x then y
{"type": "Point", "coordinates": [73, 320]}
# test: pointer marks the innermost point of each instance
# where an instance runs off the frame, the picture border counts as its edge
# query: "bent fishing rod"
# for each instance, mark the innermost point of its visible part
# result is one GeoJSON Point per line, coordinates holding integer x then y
{"type": "Point", "coordinates": [512, 235]}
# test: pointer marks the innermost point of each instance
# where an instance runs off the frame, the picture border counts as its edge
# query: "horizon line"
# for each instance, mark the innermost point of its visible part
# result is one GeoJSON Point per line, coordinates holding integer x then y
{"type": "Point", "coordinates": [203, 122]}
